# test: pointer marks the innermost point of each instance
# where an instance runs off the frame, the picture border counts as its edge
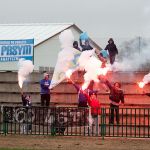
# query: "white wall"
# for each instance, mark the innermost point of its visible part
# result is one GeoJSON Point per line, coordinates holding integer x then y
{"type": "Point", "coordinates": [45, 54]}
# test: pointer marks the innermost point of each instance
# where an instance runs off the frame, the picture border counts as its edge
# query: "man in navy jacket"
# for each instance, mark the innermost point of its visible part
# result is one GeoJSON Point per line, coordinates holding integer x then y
{"type": "Point", "coordinates": [45, 93]}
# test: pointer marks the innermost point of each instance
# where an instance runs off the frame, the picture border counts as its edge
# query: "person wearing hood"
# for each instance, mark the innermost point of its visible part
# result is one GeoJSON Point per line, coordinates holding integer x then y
{"type": "Point", "coordinates": [112, 49]}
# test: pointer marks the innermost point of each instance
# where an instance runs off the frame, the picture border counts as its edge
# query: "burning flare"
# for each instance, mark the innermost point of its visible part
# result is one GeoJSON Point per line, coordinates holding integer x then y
{"type": "Point", "coordinates": [141, 84]}
{"type": "Point", "coordinates": [25, 68]}
{"type": "Point", "coordinates": [102, 71]}
{"type": "Point", "coordinates": [68, 73]}
{"type": "Point", "coordinates": [84, 86]}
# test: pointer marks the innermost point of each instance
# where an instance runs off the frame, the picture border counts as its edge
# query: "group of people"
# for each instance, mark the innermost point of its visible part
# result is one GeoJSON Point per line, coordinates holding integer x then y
{"type": "Point", "coordinates": [88, 97]}
{"type": "Point", "coordinates": [111, 47]}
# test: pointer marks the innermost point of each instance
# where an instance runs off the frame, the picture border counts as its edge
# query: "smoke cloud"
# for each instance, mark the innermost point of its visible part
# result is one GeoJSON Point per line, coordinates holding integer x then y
{"type": "Point", "coordinates": [134, 55]}
{"type": "Point", "coordinates": [146, 78]}
{"type": "Point", "coordinates": [25, 68]}
{"type": "Point", "coordinates": [67, 58]}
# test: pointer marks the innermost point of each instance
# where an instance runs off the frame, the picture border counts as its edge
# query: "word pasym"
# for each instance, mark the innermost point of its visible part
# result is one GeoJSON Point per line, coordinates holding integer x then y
{"type": "Point", "coordinates": [16, 50]}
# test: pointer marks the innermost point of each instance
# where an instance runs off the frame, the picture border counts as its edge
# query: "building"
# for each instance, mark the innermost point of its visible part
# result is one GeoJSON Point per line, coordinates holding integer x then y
{"type": "Point", "coordinates": [46, 41]}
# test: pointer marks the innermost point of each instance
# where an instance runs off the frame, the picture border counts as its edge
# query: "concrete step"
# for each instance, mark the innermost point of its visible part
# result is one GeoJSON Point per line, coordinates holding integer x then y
{"type": "Point", "coordinates": [13, 77]}
{"type": "Point", "coordinates": [125, 77]}
{"type": "Point", "coordinates": [68, 88]}
{"type": "Point", "coordinates": [65, 93]}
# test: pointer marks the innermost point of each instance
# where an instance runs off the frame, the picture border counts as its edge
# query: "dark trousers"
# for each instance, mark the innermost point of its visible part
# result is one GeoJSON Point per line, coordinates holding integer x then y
{"type": "Point", "coordinates": [112, 59]}
{"type": "Point", "coordinates": [45, 99]}
{"type": "Point", "coordinates": [112, 108]}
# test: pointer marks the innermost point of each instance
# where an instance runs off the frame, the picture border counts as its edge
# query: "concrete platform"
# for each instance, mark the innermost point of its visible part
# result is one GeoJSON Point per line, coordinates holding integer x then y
{"type": "Point", "coordinates": [65, 92]}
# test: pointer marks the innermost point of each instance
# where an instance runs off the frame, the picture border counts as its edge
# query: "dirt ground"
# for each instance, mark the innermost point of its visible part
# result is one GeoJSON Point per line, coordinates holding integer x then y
{"type": "Point", "coordinates": [72, 143]}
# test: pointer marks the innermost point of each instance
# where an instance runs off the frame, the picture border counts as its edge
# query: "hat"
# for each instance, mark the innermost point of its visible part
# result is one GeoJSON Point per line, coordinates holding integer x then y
{"type": "Point", "coordinates": [46, 74]}
{"type": "Point", "coordinates": [93, 92]}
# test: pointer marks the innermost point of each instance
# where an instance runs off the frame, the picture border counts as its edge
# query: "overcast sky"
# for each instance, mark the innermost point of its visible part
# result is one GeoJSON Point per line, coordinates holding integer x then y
{"type": "Point", "coordinates": [100, 18]}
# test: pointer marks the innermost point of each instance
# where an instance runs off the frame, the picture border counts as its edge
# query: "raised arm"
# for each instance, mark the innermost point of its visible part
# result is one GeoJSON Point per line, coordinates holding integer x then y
{"type": "Point", "coordinates": [81, 43]}
{"type": "Point", "coordinates": [105, 81]}
{"type": "Point", "coordinates": [75, 85]}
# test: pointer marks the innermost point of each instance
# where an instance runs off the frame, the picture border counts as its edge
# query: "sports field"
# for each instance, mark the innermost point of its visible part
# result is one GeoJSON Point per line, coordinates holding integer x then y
{"type": "Point", "coordinates": [10, 142]}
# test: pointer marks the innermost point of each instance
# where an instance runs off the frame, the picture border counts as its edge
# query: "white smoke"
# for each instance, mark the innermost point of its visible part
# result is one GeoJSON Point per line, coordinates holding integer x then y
{"type": "Point", "coordinates": [133, 56]}
{"type": "Point", "coordinates": [84, 57]}
{"type": "Point", "coordinates": [65, 57]}
{"type": "Point", "coordinates": [25, 68]}
{"type": "Point", "coordinates": [92, 67]}
{"type": "Point", "coordinates": [66, 39]}
{"type": "Point", "coordinates": [146, 78]}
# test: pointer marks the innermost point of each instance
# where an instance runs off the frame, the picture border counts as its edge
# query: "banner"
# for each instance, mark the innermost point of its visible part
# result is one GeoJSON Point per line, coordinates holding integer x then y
{"type": "Point", "coordinates": [13, 50]}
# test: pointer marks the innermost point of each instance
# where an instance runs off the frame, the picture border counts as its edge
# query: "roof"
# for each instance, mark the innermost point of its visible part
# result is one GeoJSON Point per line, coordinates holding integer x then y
{"type": "Point", "coordinates": [39, 31]}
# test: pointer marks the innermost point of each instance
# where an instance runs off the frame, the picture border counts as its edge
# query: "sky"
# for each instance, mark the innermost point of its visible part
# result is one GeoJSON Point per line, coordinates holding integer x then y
{"type": "Point", "coordinates": [101, 19]}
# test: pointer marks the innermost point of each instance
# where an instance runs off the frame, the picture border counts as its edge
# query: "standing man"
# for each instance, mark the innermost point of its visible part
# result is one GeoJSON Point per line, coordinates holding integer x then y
{"type": "Point", "coordinates": [45, 93]}
{"type": "Point", "coordinates": [112, 49]}
{"type": "Point", "coordinates": [116, 96]}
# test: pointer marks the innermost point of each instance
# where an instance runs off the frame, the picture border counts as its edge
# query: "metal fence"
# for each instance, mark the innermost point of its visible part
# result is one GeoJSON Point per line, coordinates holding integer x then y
{"type": "Point", "coordinates": [133, 122]}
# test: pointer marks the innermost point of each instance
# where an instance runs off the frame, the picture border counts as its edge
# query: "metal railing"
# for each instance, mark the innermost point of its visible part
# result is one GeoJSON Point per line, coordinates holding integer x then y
{"type": "Point", "coordinates": [133, 122]}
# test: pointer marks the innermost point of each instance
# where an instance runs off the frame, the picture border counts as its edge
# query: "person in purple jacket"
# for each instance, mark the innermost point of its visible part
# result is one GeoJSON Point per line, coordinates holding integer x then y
{"type": "Point", "coordinates": [45, 93]}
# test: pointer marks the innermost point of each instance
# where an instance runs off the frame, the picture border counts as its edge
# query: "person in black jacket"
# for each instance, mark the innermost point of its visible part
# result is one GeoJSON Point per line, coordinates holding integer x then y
{"type": "Point", "coordinates": [116, 95]}
{"type": "Point", "coordinates": [112, 49]}
{"type": "Point", "coordinates": [75, 45]}
{"type": "Point", "coordinates": [86, 46]}
{"type": "Point", "coordinates": [26, 102]}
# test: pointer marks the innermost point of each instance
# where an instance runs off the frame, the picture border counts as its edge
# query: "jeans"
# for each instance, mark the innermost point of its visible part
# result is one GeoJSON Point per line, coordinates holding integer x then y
{"type": "Point", "coordinates": [112, 108]}
{"type": "Point", "coordinates": [112, 59]}
{"type": "Point", "coordinates": [45, 99]}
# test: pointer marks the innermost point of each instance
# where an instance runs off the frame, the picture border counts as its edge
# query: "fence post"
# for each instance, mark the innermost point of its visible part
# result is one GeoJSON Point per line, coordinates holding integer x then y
{"type": "Point", "coordinates": [5, 130]}
{"type": "Point", "coordinates": [103, 125]}
{"type": "Point", "coordinates": [53, 124]}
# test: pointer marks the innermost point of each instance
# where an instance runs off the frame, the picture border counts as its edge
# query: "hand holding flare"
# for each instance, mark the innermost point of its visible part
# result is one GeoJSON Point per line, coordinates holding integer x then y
{"type": "Point", "coordinates": [68, 75]}
{"type": "Point", "coordinates": [141, 84]}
